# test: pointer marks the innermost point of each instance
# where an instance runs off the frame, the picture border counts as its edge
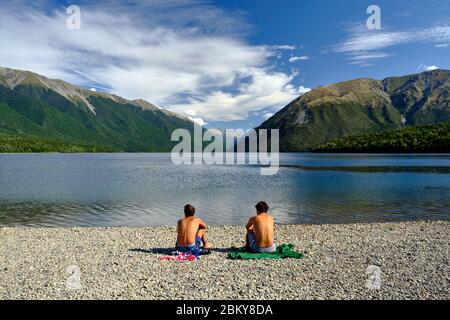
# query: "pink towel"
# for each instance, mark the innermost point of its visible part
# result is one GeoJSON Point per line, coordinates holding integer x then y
{"type": "Point", "coordinates": [180, 256]}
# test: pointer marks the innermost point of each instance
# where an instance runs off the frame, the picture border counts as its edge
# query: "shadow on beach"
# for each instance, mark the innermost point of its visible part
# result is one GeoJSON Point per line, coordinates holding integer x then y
{"type": "Point", "coordinates": [165, 251]}
{"type": "Point", "coordinates": [168, 251]}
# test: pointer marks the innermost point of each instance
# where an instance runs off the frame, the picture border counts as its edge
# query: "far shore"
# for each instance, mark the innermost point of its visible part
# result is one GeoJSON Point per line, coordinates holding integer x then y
{"type": "Point", "coordinates": [404, 260]}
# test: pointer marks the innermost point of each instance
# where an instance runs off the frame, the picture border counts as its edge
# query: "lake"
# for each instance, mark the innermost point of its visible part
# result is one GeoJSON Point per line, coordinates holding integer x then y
{"type": "Point", "coordinates": [148, 190]}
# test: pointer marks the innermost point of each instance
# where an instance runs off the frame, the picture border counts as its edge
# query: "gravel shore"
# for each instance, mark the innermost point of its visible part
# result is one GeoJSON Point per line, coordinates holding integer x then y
{"type": "Point", "coordinates": [411, 259]}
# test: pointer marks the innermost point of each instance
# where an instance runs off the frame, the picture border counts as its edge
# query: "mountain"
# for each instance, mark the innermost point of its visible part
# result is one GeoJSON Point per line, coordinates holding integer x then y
{"type": "Point", "coordinates": [58, 115]}
{"type": "Point", "coordinates": [362, 106]}
{"type": "Point", "coordinates": [431, 139]}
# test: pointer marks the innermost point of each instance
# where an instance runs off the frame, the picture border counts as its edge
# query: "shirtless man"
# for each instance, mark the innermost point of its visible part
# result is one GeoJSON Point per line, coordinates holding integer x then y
{"type": "Point", "coordinates": [260, 230]}
{"type": "Point", "coordinates": [191, 232]}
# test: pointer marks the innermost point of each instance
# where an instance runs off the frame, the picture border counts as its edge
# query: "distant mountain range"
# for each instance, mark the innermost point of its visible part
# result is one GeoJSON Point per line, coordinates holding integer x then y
{"type": "Point", "coordinates": [362, 106]}
{"type": "Point", "coordinates": [38, 114]}
{"type": "Point", "coordinates": [54, 115]}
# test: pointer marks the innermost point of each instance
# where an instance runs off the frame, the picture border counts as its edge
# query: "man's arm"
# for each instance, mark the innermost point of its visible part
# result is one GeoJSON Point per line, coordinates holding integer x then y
{"type": "Point", "coordinates": [201, 224]}
{"type": "Point", "coordinates": [250, 223]}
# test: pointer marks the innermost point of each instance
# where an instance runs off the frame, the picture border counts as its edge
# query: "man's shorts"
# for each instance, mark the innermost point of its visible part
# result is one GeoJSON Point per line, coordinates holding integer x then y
{"type": "Point", "coordinates": [191, 248]}
{"type": "Point", "coordinates": [254, 247]}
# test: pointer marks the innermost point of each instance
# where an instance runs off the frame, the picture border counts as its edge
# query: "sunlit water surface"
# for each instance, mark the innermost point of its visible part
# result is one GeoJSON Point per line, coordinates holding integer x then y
{"type": "Point", "coordinates": [148, 190]}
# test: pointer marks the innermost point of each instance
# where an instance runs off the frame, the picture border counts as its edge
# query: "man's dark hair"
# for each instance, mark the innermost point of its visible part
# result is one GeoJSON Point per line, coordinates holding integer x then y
{"type": "Point", "coordinates": [262, 207]}
{"type": "Point", "coordinates": [189, 210]}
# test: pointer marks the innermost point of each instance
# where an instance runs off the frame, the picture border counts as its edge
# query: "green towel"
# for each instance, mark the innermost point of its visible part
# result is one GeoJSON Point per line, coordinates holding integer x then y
{"type": "Point", "coordinates": [283, 251]}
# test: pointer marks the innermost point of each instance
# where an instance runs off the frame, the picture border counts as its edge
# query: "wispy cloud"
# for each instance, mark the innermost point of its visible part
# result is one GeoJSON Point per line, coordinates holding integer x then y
{"type": "Point", "coordinates": [365, 58]}
{"type": "Point", "coordinates": [282, 47]}
{"type": "Point", "coordinates": [364, 46]}
{"type": "Point", "coordinates": [301, 58]}
{"type": "Point", "coordinates": [180, 54]}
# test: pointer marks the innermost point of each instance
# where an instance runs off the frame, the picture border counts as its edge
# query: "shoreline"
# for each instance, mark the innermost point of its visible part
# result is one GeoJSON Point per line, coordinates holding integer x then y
{"type": "Point", "coordinates": [124, 263]}
{"type": "Point", "coordinates": [220, 226]}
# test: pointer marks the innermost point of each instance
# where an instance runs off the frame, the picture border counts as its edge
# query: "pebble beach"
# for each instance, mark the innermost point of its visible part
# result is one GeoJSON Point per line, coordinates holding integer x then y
{"type": "Point", "coordinates": [406, 260]}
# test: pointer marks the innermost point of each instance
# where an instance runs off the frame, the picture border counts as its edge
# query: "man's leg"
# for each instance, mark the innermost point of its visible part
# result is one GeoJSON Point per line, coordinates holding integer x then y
{"type": "Point", "coordinates": [249, 238]}
{"type": "Point", "coordinates": [202, 234]}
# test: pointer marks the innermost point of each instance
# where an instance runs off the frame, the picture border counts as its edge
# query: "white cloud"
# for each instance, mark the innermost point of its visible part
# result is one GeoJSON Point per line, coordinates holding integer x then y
{"type": "Point", "coordinates": [283, 47]}
{"type": "Point", "coordinates": [265, 89]}
{"type": "Point", "coordinates": [216, 132]}
{"type": "Point", "coordinates": [301, 58]}
{"type": "Point", "coordinates": [199, 121]}
{"type": "Point", "coordinates": [364, 58]}
{"type": "Point", "coordinates": [441, 45]}
{"type": "Point", "coordinates": [267, 115]}
{"type": "Point", "coordinates": [431, 68]}
{"type": "Point", "coordinates": [302, 90]}
{"type": "Point", "coordinates": [184, 55]}
{"type": "Point", "coordinates": [190, 112]}
{"type": "Point", "coordinates": [364, 46]}
{"type": "Point", "coordinates": [423, 67]}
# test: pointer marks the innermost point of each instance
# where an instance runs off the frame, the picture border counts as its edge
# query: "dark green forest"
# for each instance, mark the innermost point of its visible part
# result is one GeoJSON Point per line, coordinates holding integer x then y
{"type": "Point", "coordinates": [422, 139]}
{"type": "Point", "coordinates": [28, 144]}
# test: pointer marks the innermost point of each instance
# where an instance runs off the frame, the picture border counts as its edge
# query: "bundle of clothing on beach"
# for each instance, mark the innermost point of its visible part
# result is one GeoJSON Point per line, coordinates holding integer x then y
{"type": "Point", "coordinates": [180, 256]}
{"type": "Point", "coordinates": [282, 252]}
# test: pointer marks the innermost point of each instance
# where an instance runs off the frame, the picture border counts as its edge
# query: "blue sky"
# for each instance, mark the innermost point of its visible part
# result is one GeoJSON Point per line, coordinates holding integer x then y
{"type": "Point", "coordinates": [229, 64]}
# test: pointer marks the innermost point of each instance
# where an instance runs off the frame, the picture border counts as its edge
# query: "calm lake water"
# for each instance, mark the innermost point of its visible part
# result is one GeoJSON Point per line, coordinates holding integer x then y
{"type": "Point", "coordinates": [148, 190]}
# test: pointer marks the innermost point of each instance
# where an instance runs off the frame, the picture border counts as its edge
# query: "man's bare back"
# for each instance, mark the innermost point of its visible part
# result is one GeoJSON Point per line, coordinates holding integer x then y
{"type": "Point", "coordinates": [191, 232]}
{"type": "Point", "coordinates": [188, 230]}
{"type": "Point", "coordinates": [263, 227]}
